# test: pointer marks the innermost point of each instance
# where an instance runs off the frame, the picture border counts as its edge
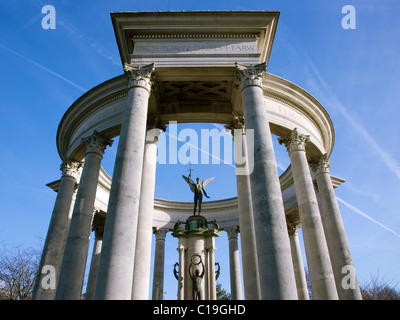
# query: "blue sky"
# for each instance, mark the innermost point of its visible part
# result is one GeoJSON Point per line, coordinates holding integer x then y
{"type": "Point", "coordinates": [355, 74]}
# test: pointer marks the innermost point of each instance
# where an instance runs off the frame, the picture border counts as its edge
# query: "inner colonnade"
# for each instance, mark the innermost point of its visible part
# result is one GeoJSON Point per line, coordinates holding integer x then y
{"type": "Point", "coordinates": [196, 67]}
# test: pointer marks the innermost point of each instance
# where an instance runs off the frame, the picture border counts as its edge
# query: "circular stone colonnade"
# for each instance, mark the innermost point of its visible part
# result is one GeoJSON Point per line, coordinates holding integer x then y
{"type": "Point", "coordinates": [195, 67]}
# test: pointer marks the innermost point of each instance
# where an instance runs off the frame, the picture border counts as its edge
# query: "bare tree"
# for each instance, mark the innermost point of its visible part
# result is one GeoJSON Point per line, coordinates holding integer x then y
{"type": "Point", "coordinates": [379, 289]}
{"type": "Point", "coordinates": [18, 268]}
{"type": "Point", "coordinates": [376, 288]}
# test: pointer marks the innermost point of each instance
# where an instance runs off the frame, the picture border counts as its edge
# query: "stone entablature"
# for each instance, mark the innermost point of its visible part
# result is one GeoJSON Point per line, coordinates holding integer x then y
{"type": "Point", "coordinates": [201, 44]}
{"type": "Point", "coordinates": [195, 39]}
{"type": "Point", "coordinates": [102, 107]}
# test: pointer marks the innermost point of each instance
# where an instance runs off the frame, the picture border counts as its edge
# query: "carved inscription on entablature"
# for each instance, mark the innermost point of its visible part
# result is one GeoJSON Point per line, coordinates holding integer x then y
{"type": "Point", "coordinates": [202, 45]}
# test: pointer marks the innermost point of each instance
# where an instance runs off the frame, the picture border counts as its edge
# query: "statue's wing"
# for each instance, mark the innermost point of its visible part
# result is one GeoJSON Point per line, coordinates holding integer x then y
{"type": "Point", "coordinates": [207, 181]}
{"type": "Point", "coordinates": [190, 183]}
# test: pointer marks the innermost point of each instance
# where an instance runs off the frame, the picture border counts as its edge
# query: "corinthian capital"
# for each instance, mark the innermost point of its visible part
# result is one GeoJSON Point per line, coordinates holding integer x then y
{"type": "Point", "coordinates": [251, 75]}
{"type": "Point", "coordinates": [71, 168]}
{"type": "Point", "coordinates": [232, 232]}
{"type": "Point", "coordinates": [321, 164]}
{"type": "Point", "coordinates": [160, 233]}
{"type": "Point", "coordinates": [96, 143]}
{"type": "Point", "coordinates": [139, 76]}
{"type": "Point", "coordinates": [236, 123]}
{"type": "Point", "coordinates": [292, 229]}
{"type": "Point", "coordinates": [295, 141]}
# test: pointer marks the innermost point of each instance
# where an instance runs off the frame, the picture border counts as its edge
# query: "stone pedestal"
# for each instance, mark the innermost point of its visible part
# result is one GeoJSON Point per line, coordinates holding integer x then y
{"type": "Point", "coordinates": [196, 256]}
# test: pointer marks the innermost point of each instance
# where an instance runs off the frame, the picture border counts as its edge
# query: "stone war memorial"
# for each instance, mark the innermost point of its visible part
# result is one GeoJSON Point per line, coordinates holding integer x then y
{"type": "Point", "coordinates": [196, 67]}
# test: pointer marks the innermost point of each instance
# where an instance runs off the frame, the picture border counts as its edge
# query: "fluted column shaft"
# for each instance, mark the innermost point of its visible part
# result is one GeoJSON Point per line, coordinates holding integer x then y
{"type": "Point", "coordinates": [94, 265]}
{"type": "Point", "coordinates": [300, 275]}
{"type": "Point", "coordinates": [234, 263]}
{"type": "Point", "coordinates": [141, 273]}
{"type": "Point", "coordinates": [273, 249]}
{"type": "Point", "coordinates": [318, 261]}
{"type": "Point", "coordinates": [158, 276]}
{"type": "Point", "coordinates": [334, 230]}
{"type": "Point", "coordinates": [210, 243]}
{"type": "Point", "coordinates": [58, 229]}
{"type": "Point", "coordinates": [119, 242]}
{"type": "Point", "coordinates": [76, 249]}
{"type": "Point", "coordinates": [251, 278]}
{"type": "Point", "coordinates": [182, 266]}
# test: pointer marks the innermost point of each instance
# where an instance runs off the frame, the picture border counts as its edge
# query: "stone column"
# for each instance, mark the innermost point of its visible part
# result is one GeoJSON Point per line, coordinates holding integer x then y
{"type": "Point", "coordinates": [181, 279]}
{"type": "Point", "coordinates": [273, 249]}
{"type": "Point", "coordinates": [94, 265]}
{"type": "Point", "coordinates": [206, 279]}
{"type": "Point", "coordinates": [141, 273]}
{"type": "Point", "coordinates": [251, 278]}
{"type": "Point", "coordinates": [158, 276]}
{"type": "Point", "coordinates": [212, 286]}
{"type": "Point", "coordinates": [299, 273]}
{"type": "Point", "coordinates": [234, 263]}
{"type": "Point", "coordinates": [58, 230]}
{"type": "Point", "coordinates": [119, 243]}
{"type": "Point", "coordinates": [334, 230]}
{"type": "Point", "coordinates": [318, 261]}
{"type": "Point", "coordinates": [75, 254]}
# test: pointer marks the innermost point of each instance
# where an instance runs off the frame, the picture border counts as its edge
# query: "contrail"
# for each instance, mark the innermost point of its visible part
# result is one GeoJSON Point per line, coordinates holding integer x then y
{"type": "Point", "coordinates": [367, 216]}
{"type": "Point", "coordinates": [386, 157]}
{"type": "Point", "coordinates": [44, 68]}
{"type": "Point", "coordinates": [76, 33]}
{"type": "Point", "coordinates": [201, 150]}
{"type": "Point", "coordinates": [280, 166]}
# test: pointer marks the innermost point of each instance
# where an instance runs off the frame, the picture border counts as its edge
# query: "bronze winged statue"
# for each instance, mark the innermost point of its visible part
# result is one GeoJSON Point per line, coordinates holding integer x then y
{"type": "Point", "coordinates": [198, 189]}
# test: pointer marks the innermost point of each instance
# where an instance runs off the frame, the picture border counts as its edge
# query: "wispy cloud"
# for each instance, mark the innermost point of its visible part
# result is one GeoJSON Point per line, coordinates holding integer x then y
{"type": "Point", "coordinates": [76, 33]}
{"type": "Point", "coordinates": [358, 211]}
{"type": "Point", "coordinates": [387, 158]}
{"type": "Point", "coordinates": [291, 41]}
{"type": "Point", "coordinates": [44, 68]}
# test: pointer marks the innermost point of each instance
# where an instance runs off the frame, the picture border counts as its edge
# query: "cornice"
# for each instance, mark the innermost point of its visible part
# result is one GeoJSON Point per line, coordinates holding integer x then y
{"type": "Point", "coordinates": [103, 94]}
{"type": "Point", "coordinates": [286, 92]}
{"type": "Point", "coordinates": [193, 36]}
{"type": "Point", "coordinates": [129, 25]}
